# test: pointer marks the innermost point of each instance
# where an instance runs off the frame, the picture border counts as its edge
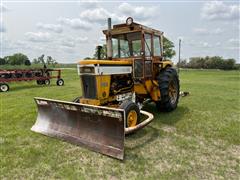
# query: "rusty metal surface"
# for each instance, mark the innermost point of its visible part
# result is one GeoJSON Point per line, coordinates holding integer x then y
{"type": "Point", "coordinates": [98, 128]}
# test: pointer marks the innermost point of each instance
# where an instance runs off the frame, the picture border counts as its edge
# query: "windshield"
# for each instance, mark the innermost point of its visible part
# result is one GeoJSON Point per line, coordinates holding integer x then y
{"type": "Point", "coordinates": [126, 45]}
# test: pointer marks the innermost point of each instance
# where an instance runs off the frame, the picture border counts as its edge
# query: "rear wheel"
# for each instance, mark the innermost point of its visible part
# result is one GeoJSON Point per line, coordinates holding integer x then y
{"type": "Point", "coordinates": [169, 87]}
{"type": "Point", "coordinates": [132, 113]}
{"type": "Point", "coordinates": [60, 82]}
{"type": "Point", "coordinates": [40, 82]}
{"type": "Point", "coordinates": [4, 87]}
{"type": "Point", "coordinates": [47, 82]}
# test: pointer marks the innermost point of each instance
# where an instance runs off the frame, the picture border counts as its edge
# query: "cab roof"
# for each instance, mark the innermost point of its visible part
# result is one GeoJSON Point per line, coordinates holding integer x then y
{"type": "Point", "coordinates": [134, 27]}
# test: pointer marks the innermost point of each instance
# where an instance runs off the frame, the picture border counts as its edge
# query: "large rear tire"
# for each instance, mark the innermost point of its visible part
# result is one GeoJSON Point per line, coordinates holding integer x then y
{"type": "Point", "coordinates": [169, 88]}
{"type": "Point", "coordinates": [132, 113]}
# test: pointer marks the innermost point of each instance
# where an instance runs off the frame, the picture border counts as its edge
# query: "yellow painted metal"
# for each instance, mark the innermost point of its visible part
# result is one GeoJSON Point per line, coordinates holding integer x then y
{"type": "Point", "coordinates": [127, 61]}
{"type": "Point", "coordinates": [103, 86]}
{"type": "Point", "coordinates": [95, 102]}
{"type": "Point", "coordinates": [153, 89]}
{"type": "Point", "coordinates": [166, 63]}
{"type": "Point", "coordinates": [132, 118]}
{"type": "Point", "coordinates": [140, 89]}
{"type": "Point", "coordinates": [150, 87]}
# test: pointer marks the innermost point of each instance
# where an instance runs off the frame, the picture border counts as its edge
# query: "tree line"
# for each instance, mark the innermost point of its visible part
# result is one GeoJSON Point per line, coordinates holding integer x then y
{"type": "Point", "coordinates": [22, 59]}
{"type": "Point", "coordinates": [214, 62]}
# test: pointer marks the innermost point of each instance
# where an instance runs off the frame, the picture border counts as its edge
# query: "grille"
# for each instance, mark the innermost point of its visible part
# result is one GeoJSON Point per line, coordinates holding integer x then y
{"type": "Point", "coordinates": [89, 86]}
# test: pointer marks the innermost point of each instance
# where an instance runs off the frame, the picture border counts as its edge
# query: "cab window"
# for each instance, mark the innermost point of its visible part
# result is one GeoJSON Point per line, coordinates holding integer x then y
{"type": "Point", "coordinates": [147, 44]}
{"type": "Point", "coordinates": [156, 45]}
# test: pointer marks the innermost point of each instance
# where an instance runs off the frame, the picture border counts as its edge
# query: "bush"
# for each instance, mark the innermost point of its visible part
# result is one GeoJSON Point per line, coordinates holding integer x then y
{"type": "Point", "coordinates": [27, 63]}
{"type": "Point", "coordinates": [215, 62]}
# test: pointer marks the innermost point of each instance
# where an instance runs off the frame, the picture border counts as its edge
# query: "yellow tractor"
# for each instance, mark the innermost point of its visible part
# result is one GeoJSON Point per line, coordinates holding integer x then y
{"type": "Point", "coordinates": [114, 90]}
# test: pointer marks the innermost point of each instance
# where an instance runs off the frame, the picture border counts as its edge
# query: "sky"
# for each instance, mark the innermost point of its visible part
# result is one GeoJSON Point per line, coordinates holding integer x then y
{"type": "Point", "coordinates": [70, 30]}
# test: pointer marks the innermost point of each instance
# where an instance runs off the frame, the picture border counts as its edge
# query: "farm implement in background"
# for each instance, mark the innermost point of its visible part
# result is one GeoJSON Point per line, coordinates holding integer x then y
{"type": "Point", "coordinates": [42, 76]}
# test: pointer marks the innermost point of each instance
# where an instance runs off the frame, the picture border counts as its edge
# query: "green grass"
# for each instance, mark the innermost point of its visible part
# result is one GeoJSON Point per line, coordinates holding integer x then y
{"type": "Point", "coordinates": [199, 140]}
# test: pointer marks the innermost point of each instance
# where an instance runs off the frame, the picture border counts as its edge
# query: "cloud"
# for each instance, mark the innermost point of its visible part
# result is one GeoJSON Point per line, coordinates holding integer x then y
{"type": "Point", "coordinates": [141, 13]}
{"type": "Point", "coordinates": [197, 44]}
{"type": "Point", "coordinates": [91, 4]}
{"type": "Point", "coordinates": [234, 43]}
{"type": "Point", "coordinates": [82, 39]}
{"type": "Point", "coordinates": [234, 40]}
{"type": "Point", "coordinates": [38, 36]}
{"type": "Point", "coordinates": [98, 15]}
{"type": "Point", "coordinates": [204, 31]}
{"type": "Point", "coordinates": [217, 10]}
{"type": "Point", "coordinates": [2, 27]}
{"type": "Point", "coordinates": [68, 43]}
{"type": "Point", "coordinates": [72, 42]}
{"type": "Point", "coordinates": [57, 28]}
{"type": "Point", "coordinates": [3, 8]}
{"type": "Point", "coordinates": [75, 23]}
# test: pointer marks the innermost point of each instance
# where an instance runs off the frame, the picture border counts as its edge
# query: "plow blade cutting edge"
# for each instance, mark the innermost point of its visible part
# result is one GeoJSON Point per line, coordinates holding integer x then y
{"type": "Point", "coordinates": [98, 128]}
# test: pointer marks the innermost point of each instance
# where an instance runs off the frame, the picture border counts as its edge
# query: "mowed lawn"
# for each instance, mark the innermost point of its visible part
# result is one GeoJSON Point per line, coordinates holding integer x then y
{"type": "Point", "coordinates": [199, 140]}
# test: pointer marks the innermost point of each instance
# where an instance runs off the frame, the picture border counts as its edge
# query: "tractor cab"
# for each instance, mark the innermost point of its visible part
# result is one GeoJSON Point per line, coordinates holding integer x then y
{"type": "Point", "coordinates": [133, 41]}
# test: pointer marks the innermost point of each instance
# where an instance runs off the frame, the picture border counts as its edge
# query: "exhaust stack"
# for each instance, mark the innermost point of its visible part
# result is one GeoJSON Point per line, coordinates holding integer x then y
{"type": "Point", "coordinates": [109, 39]}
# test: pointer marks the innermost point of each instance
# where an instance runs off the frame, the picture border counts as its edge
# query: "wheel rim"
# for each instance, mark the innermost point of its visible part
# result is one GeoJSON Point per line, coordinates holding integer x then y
{"type": "Point", "coordinates": [132, 118]}
{"type": "Point", "coordinates": [4, 88]}
{"type": "Point", "coordinates": [47, 82]}
{"type": "Point", "coordinates": [172, 92]}
{"type": "Point", "coordinates": [60, 82]}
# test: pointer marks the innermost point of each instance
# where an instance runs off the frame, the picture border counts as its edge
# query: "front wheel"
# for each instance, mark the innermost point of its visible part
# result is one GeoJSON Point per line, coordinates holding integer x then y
{"type": "Point", "coordinates": [132, 113]}
{"type": "Point", "coordinates": [60, 82]}
{"type": "Point", "coordinates": [4, 87]}
{"type": "Point", "coordinates": [169, 88]}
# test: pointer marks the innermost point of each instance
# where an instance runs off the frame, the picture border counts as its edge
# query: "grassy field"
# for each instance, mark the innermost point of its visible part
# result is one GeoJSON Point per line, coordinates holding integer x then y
{"type": "Point", "coordinates": [199, 140]}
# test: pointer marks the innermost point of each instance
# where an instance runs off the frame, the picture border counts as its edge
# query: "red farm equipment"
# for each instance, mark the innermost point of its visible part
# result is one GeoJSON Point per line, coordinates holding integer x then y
{"type": "Point", "coordinates": [42, 76]}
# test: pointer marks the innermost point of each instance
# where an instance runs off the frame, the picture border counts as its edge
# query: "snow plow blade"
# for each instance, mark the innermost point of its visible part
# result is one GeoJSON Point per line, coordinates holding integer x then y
{"type": "Point", "coordinates": [98, 128]}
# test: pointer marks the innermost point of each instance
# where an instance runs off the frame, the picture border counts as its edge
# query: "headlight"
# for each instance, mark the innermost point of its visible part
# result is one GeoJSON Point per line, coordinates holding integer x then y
{"type": "Point", "coordinates": [129, 21]}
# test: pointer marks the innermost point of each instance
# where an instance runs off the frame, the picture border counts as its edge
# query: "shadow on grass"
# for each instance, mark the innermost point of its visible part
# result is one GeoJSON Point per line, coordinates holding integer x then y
{"type": "Point", "coordinates": [169, 118]}
{"type": "Point", "coordinates": [25, 87]}
{"type": "Point", "coordinates": [142, 137]}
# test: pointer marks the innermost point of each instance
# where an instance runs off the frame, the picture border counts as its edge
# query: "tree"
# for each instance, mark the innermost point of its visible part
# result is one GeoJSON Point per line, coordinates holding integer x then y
{"type": "Point", "coordinates": [16, 59]}
{"type": "Point", "coordinates": [229, 63]}
{"type": "Point", "coordinates": [2, 61]}
{"type": "Point", "coordinates": [27, 63]}
{"type": "Point", "coordinates": [182, 64]}
{"type": "Point", "coordinates": [103, 52]}
{"type": "Point", "coordinates": [87, 58]}
{"type": "Point", "coordinates": [49, 60]}
{"type": "Point", "coordinates": [168, 51]}
{"type": "Point", "coordinates": [35, 61]}
{"type": "Point", "coordinates": [215, 62]}
{"type": "Point", "coordinates": [41, 59]}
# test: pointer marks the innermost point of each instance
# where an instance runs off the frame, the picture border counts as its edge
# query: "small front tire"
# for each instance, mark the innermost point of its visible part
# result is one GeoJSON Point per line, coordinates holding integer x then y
{"type": "Point", "coordinates": [4, 87]}
{"type": "Point", "coordinates": [60, 82]}
{"type": "Point", "coordinates": [132, 113]}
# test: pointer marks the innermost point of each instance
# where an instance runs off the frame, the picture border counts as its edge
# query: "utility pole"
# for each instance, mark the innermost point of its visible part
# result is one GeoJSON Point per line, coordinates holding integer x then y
{"type": "Point", "coordinates": [179, 54]}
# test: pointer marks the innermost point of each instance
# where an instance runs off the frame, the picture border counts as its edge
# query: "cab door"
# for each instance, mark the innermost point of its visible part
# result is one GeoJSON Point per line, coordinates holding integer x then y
{"type": "Point", "coordinates": [143, 65]}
